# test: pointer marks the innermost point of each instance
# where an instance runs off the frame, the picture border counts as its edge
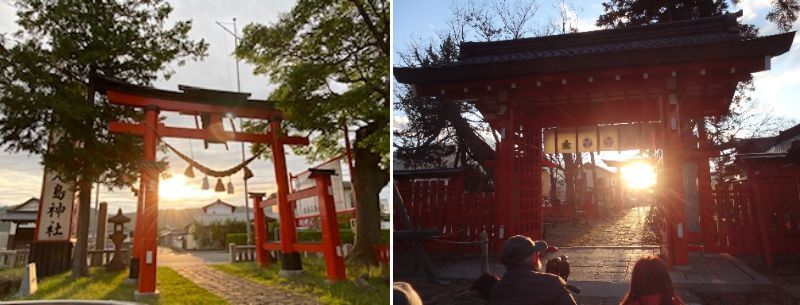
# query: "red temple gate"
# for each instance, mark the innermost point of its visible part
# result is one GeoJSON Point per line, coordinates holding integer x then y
{"type": "Point", "coordinates": [670, 74]}
{"type": "Point", "coordinates": [213, 106]}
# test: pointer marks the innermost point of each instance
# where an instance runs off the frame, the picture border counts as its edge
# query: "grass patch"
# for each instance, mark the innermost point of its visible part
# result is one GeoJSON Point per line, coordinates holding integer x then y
{"type": "Point", "coordinates": [102, 285]}
{"type": "Point", "coordinates": [313, 282]}
{"type": "Point", "coordinates": [12, 273]}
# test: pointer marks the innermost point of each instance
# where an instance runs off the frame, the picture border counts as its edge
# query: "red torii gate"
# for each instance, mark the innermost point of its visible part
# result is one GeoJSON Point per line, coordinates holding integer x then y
{"type": "Point", "coordinates": [213, 105]}
{"type": "Point", "coordinates": [667, 73]}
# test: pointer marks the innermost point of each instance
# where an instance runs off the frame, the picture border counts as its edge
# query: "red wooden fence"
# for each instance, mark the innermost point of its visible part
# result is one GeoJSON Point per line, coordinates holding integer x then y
{"type": "Point", "coordinates": [444, 206]}
{"type": "Point", "coordinates": [741, 211]}
{"type": "Point", "coordinates": [780, 199]}
{"type": "Point", "coordinates": [733, 220]}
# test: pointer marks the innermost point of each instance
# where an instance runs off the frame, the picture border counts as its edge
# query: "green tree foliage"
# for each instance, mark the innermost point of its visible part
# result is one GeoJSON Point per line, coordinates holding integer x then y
{"type": "Point", "coordinates": [216, 234]}
{"type": "Point", "coordinates": [747, 117]}
{"type": "Point", "coordinates": [44, 86]}
{"type": "Point", "coordinates": [330, 60]}
{"type": "Point", "coordinates": [441, 134]}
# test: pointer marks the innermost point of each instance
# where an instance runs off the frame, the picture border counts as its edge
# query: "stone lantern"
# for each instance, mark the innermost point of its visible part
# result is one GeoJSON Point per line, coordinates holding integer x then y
{"type": "Point", "coordinates": [119, 221]}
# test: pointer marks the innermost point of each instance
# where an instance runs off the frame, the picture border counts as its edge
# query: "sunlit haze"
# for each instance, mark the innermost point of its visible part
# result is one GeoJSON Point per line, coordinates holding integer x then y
{"type": "Point", "coordinates": [639, 175]}
{"type": "Point", "coordinates": [179, 188]}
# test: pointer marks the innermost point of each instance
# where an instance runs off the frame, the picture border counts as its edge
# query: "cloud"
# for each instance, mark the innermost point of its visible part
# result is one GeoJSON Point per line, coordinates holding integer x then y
{"type": "Point", "coordinates": [754, 10]}
{"type": "Point", "coordinates": [399, 122]}
{"type": "Point", "coordinates": [21, 175]}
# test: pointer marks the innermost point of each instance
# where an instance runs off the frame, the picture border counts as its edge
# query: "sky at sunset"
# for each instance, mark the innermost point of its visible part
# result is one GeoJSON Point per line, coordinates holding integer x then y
{"type": "Point", "coordinates": [420, 21]}
{"type": "Point", "coordinates": [21, 174]}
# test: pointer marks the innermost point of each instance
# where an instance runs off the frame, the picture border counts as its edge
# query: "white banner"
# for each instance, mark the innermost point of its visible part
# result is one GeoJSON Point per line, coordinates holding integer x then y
{"type": "Point", "coordinates": [609, 138]}
{"type": "Point", "coordinates": [550, 141]}
{"type": "Point", "coordinates": [566, 141]}
{"type": "Point", "coordinates": [602, 138]}
{"type": "Point", "coordinates": [55, 209]}
{"type": "Point", "coordinates": [587, 139]}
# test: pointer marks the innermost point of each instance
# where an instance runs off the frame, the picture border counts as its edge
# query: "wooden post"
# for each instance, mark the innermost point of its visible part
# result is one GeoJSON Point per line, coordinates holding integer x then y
{"type": "Point", "coordinates": [484, 239]}
{"type": "Point", "coordinates": [672, 183]}
{"type": "Point", "coordinates": [761, 222]}
{"type": "Point", "coordinates": [262, 257]}
{"type": "Point", "coordinates": [290, 259]}
{"type": "Point", "coordinates": [331, 243]}
{"type": "Point", "coordinates": [704, 188]}
{"type": "Point", "coordinates": [137, 247]}
{"type": "Point", "coordinates": [100, 238]}
{"type": "Point", "coordinates": [148, 232]}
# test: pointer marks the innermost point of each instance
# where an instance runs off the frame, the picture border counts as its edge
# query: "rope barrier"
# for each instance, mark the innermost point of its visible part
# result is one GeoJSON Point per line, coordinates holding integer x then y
{"type": "Point", "coordinates": [478, 242]}
{"type": "Point", "coordinates": [200, 167]}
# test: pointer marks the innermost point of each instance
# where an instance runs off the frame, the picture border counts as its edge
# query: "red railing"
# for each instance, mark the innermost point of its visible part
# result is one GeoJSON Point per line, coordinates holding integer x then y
{"type": "Point", "coordinates": [780, 200]}
{"type": "Point", "coordinates": [760, 215]}
{"type": "Point", "coordinates": [732, 220]}
{"type": "Point", "coordinates": [443, 206]}
{"type": "Point", "coordinates": [381, 253]}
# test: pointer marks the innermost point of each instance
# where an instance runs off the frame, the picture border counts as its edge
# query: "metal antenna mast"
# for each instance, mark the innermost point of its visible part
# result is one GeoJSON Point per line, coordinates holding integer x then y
{"type": "Point", "coordinates": [235, 35]}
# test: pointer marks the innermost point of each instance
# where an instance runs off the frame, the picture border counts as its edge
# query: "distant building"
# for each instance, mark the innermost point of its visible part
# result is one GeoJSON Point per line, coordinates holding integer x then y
{"type": "Point", "coordinates": [607, 181]}
{"type": "Point", "coordinates": [178, 238]}
{"type": "Point", "coordinates": [23, 224]}
{"type": "Point", "coordinates": [221, 211]}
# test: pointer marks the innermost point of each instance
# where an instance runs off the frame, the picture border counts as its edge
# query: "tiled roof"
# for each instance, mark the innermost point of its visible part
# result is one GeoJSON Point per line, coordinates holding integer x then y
{"type": "Point", "coordinates": [219, 202]}
{"type": "Point", "coordinates": [717, 29]}
{"type": "Point", "coordinates": [770, 147]}
{"type": "Point", "coordinates": [690, 40]}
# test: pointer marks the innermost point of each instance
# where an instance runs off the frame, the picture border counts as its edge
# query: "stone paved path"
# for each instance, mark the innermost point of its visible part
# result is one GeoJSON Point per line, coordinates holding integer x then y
{"type": "Point", "coordinates": [619, 229]}
{"type": "Point", "coordinates": [238, 290]}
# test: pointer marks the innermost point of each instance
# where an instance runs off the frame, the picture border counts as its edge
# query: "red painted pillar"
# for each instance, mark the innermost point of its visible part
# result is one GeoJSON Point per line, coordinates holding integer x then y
{"type": "Point", "coordinates": [704, 188]}
{"type": "Point", "coordinates": [290, 259]}
{"type": "Point", "coordinates": [672, 183]}
{"type": "Point", "coordinates": [762, 219]}
{"type": "Point", "coordinates": [148, 232]}
{"type": "Point", "coordinates": [331, 243]}
{"type": "Point", "coordinates": [262, 257]}
{"type": "Point", "coordinates": [503, 188]}
{"type": "Point", "coordinates": [137, 248]}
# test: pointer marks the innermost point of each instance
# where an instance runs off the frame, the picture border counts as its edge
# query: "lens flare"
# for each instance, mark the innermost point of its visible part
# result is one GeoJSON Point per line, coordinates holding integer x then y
{"type": "Point", "coordinates": [639, 175]}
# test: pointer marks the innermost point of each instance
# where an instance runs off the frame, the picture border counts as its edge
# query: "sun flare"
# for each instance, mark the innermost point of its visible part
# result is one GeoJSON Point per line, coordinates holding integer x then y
{"type": "Point", "coordinates": [177, 188]}
{"type": "Point", "coordinates": [639, 175]}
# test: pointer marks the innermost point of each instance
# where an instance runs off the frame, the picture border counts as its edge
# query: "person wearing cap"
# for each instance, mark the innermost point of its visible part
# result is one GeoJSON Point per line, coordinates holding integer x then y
{"type": "Point", "coordinates": [522, 283]}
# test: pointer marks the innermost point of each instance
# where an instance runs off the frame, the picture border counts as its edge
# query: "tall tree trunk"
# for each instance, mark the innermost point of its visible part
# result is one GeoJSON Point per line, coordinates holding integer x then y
{"type": "Point", "coordinates": [79, 267]}
{"type": "Point", "coordinates": [369, 179]}
{"type": "Point", "coordinates": [79, 255]}
{"type": "Point", "coordinates": [570, 173]}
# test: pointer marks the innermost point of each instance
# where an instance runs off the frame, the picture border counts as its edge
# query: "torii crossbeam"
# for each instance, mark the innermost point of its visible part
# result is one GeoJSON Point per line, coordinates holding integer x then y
{"type": "Point", "coordinates": [212, 105]}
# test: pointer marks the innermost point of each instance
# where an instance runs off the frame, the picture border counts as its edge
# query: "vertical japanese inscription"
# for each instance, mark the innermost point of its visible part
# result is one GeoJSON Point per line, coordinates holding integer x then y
{"type": "Point", "coordinates": [55, 209]}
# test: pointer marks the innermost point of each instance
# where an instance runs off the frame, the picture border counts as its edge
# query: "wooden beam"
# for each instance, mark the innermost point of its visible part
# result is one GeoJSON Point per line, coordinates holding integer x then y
{"type": "Point", "coordinates": [301, 194]}
{"type": "Point", "coordinates": [120, 98]}
{"type": "Point", "coordinates": [202, 134]}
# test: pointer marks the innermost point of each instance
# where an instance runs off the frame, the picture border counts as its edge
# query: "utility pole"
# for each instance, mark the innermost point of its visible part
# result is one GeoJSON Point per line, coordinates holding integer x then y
{"type": "Point", "coordinates": [235, 35]}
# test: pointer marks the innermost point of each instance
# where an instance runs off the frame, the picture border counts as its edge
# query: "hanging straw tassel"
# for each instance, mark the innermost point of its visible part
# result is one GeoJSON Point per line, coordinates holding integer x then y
{"type": "Point", "coordinates": [189, 172]}
{"type": "Point", "coordinates": [220, 187]}
{"type": "Point", "coordinates": [230, 186]}
{"type": "Point", "coordinates": [205, 183]}
{"type": "Point", "coordinates": [247, 173]}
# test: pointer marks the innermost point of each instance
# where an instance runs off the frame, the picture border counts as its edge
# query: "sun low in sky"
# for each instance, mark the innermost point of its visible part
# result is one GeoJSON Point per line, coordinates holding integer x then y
{"type": "Point", "coordinates": [185, 191]}
{"type": "Point", "coordinates": [639, 175]}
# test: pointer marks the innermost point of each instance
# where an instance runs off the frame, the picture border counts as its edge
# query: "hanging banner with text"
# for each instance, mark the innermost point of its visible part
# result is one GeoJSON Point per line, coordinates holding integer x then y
{"type": "Point", "coordinates": [55, 209]}
{"type": "Point", "coordinates": [600, 138]}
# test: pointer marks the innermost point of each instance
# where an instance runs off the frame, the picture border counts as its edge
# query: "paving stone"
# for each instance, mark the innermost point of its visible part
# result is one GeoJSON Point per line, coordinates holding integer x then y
{"type": "Point", "coordinates": [238, 290]}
